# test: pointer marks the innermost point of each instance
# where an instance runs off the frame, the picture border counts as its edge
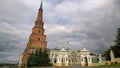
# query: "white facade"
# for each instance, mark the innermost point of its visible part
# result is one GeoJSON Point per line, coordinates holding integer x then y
{"type": "Point", "coordinates": [69, 57]}
{"type": "Point", "coordinates": [85, 57]}
{"type": "Point", "coordinates": [59, 56]}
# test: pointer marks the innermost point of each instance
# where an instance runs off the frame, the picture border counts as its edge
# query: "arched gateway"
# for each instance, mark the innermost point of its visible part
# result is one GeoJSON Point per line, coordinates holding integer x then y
{"type": "Point", "coordinates": [86, 61]}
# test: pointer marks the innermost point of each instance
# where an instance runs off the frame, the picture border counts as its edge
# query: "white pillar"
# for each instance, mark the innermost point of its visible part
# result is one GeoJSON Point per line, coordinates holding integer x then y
{"type": "Point", "coordinates": [82, 59]}
{"type": "Point", "coordinates": [52, 60]}
{"type": "Point", "coordinates": [100, 59]}
{"type": "Point", "coordinates": [90, 59]}
{"type": "Point", "coordinates": [66, 59]}
{"type": "Point", "coordinates": [58, 59]}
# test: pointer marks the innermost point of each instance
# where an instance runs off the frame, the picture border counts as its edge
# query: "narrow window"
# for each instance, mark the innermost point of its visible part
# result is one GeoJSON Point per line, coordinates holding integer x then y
{"type": "Point", "coordinates": [39, 31]}
{"type": "Point", "coordinates": [38, 39]}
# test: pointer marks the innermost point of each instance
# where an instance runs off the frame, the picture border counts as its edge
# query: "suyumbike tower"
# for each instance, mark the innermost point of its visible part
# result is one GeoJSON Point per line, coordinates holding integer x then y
{"type": "Point", "coordinates": [37, 38]}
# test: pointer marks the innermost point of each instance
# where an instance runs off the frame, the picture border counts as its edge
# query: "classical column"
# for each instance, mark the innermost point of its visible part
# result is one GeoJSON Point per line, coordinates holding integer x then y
{"type": "Point", "coordinates": [58, 60]}
{"type": "Point", "coordinates": [100, 59]}
{"type": "Point", "coordinates": [66, 59]}
{"type": "Point", "coordinates": [83, 59]}
{"type": "Point", "coordinates": [90, 59]}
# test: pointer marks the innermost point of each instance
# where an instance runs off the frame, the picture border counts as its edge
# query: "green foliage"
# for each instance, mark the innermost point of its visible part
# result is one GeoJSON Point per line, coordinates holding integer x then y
{"type": "Point", "coordinates": [39, 59]}
{"type": "Point", "coordinates": [95, 60]}
{"type": "Point", "coordinates": [107, 54]}
{"type": "Point", "coordinates": [29, 63]}
{"type": "Point", "coordinates": [115, 48]}
{"type": "Point", "coordinates": [117, 36]}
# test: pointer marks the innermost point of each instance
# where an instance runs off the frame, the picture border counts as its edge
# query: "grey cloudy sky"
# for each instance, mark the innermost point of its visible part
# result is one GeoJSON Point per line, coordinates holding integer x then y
{"type": "Point", "coordinates": [84, 23]}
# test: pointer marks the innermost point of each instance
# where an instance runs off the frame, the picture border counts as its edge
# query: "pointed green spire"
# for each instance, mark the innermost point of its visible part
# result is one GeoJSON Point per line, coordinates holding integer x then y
{"type": "Point", "coordinates": [41, 5]}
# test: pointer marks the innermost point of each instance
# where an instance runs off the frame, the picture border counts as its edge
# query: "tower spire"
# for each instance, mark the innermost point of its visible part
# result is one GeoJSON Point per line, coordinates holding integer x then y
{"type": "Point", "coordinates": [39, 21]}
{"type": "Point", "coordinates": [41, 5]}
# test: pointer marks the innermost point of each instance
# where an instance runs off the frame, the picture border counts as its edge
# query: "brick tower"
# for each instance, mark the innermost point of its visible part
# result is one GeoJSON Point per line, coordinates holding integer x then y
{"type": "Point", "coordinates": [37, 38]}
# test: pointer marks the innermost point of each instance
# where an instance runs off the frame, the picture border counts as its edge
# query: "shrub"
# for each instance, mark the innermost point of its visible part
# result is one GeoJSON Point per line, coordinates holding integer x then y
{"type": "Point", "coordinates": [106, 63]}
{"type": "Point", "coordinates": [116, 62]}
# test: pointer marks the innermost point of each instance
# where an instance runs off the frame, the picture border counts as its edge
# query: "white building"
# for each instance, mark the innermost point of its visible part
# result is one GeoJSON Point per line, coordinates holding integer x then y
{"type": "Point", "coordinates": [67, 57]}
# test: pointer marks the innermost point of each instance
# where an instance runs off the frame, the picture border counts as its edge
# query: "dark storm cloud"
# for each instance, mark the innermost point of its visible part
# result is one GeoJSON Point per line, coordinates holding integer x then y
{"type": "Point", "coordinates": [95, 25]}
{"type": "Point", "coordinates": [11, 44]}
{"type": "Point", "coordinates": [12, 29]}
{"type": "Point", "coordinates": [84, 23]}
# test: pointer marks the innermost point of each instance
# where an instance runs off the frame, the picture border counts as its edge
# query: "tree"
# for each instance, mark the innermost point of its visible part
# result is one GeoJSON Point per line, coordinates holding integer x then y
{"type": "Point", "coordinates": [115, 47]}
{"type": "Point", "coordinates": [117, 36]}
{"type": "Point", "coordinates": [39, 58]}
{"type": "Point", "coordinates": [107, 54]}
{"type": "Point", "coordinates": [29, 63]}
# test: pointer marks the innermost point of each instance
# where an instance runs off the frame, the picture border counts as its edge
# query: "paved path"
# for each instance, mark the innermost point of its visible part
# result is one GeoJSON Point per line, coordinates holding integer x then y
{"type": "Point", "coordinates": [76, 67]}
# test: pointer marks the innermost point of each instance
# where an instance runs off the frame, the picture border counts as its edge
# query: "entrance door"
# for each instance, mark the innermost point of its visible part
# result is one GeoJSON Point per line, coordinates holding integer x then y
{"type": "Point", "coordinates": [86, 61]}
{"type": "Point", "coordinates": [63, 62]}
